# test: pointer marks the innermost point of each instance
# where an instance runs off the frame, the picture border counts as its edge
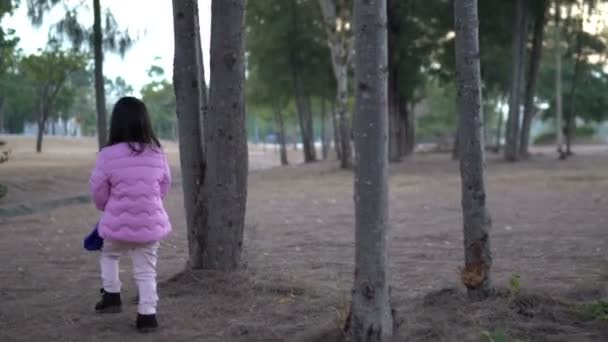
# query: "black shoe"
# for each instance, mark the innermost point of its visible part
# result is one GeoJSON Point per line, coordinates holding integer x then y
{"type": "Point", "coordinates": [146, 323]}
{"type": "Point", "coordinates": [110, 303]}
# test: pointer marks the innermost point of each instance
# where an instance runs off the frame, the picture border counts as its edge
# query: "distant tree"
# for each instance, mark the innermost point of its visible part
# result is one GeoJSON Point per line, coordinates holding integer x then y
{"type": "Point", "coordinates": [118, 88]}
{"type": "Point", "coordinates": [105, 35]}
{"type": "Point", "coordinates": [337, 19]}
{"type": "Point", "coordinates": [288, 57]}
{"type": "Point", "coordinates": [519, 50]}
{"type": "Point", "coordinates": [49, 71]}
{"type": "Point", "coordinates": [159, 97]}
{"type": "Point", "coordinates": [8, 61]}
{"type": "Point", "coordinates": [540, 10]}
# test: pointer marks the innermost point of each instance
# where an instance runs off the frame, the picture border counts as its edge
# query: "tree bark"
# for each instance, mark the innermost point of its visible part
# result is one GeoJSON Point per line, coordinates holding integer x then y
{"type": "Point", "coordinates": [558, 83]}
{"type": "Point", "coordinates": [499, 124]}
{"type": "Point", "coordinates": [476, 218]}
{"type": "Point", "coordinates": [226, 137]}
{"type": "Point", "coordinates": [334, 118]}
{"type": "Point", "coordinates": [100, 94]}
{"type": "Point", "coordinates": [302, 99]}
{"type": "Point", "coordinates": [371, 318]}
{"type": "Point", "coordinates": [190, 93]}
{"type": "Point", "coordinates": [395, 127]}
{"type": "Point", "coordinates": [2, 129]}
{"type": "Point", "coordinates": [409, 128]}
{"type": "Point", "coordinates": [456, 147]}
{"type": "Point", "coordinates": [345, 129]}
{"type": "Point", "coordinates": [340, 49]}
{"type": "Point", "coordinates": [520, 33]}
{"type": "Point", "coordinates": [281, 128]}
{"type": "Point", "coordinates": [535, 60]}
{"type": "Point", "coordinates": [570, 119]}
{"type": "Point", "coordinates": [324, 138]}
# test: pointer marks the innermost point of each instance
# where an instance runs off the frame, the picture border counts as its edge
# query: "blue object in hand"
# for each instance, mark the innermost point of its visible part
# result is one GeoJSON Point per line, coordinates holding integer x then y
{"type": "Point", "coordinates": [93, 242]}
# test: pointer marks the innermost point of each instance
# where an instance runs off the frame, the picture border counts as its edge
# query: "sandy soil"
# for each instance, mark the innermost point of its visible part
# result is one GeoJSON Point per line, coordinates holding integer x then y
{"type": "Point", "coordinates": [550, 227]}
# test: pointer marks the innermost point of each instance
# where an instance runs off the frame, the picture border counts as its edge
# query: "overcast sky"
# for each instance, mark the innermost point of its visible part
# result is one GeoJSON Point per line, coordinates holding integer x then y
{"type": "Point", "coordinates": [150, 20]}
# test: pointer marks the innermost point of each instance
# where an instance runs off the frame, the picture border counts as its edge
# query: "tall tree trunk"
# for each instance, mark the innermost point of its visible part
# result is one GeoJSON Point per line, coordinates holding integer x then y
{"type": "Point", "coordinates": [42, 119]}
{"type": "Point", "coordinates": [520, 34]}
{"type": "Point", "coordinates": [281, 127]}
{"type": "Point", "coordinates": [371, 318]}
{"type": "Point", "coordinates": [395, 127]}
{"type": "Point", "coordinates": [100, 94]}
{"type": "Point", "coordinates": [570, 119]}
{"type": "Point", "coordinates": [226, 137]}
{"type": "Point", "coordinates": [535, 60]}
{"type": "Point", "coordinates": [456, 146]}
{"type": "Point", "coordinates": [408, 130]}
{"type": "Point", "coordinates": [191, 99]}
{"type": "Point", "coordinates": [345, 129]}
{"type": "Point", "coordinates": [340, 49]}
{"type": "Point", "coordinates": [476, 218]}
{"type": "Point", "coordinates": [558, 83]}
{"type": "Point", "coordinates": [40, 135]}
{"type": "Point", "coordinates": [324, 138]}
{"type": "Point", "coordinates": [336, 128]}
{"type": "Point", "coordinates": [499, 123]}
{"type": "Point", "coordinates": [2, 128]}
{"type": "Point", "coordinates": [395, 140]}
{"type": "Point", "coordinates": [302, 99]}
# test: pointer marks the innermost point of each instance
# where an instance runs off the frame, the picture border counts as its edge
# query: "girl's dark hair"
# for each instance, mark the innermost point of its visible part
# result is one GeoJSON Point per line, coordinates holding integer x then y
{"type": "Point", "coordinates": [131, 124]}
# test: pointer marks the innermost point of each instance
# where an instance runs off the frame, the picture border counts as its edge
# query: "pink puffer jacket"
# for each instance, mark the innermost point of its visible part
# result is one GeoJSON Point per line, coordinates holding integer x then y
{"type": "Point", "coordinates": [129, 189]}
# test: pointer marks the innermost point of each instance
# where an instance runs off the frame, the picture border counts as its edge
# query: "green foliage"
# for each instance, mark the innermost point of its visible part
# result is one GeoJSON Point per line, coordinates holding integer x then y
{"type": "Point", "coordinates": [159, 97]}
{"type": "Point", "coordinates": [549, 137]}
{"type": "Point", "coordinates": [70, 29]}
{"type": "Point", "coordinates": [497, 335]}
{"type": "Point", "coordinates": [281, 36]}
{"type": "Point", "coordinates": [514, 286]}
{"type": "Point", "coordinates": [440, 121]}
{"type": "Point", "coordinates": [598, 310]}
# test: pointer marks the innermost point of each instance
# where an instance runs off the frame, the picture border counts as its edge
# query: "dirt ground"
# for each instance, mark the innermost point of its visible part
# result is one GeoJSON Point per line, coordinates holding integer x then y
{"type": "Point", "coordinates": [550, 226]}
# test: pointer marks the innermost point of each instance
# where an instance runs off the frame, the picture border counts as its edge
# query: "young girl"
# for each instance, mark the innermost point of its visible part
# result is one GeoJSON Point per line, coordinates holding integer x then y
{"type": "Point", "coordinates": [129, 182]}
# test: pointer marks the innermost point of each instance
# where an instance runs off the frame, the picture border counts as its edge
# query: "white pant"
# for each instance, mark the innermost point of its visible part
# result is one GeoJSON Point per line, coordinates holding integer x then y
{"type": "Point", "coordinates": [144, 271]}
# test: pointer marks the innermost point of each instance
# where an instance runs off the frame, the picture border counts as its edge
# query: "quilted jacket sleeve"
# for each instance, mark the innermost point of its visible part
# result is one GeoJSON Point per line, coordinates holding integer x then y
{"type": "Point", "coordinates": [165, 183]}
{"type": "Point", "coordinates": [99, 184]}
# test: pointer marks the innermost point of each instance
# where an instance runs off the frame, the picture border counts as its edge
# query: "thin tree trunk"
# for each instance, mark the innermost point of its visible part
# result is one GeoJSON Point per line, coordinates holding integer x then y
{"type": "Point", "coordinates": [42, 119]}
{"type": "Point", "coordinates": [476, 218]}
{"type": "Point", "coordinates": [558, 83]}
{"type": "Point", "coordinates": [500, 121]}
{"type": "Point", "coordinates": [324, 139]}
{"type": "Point", "coordinates": [302, 99]}
{"type": "Point", "coordinates": [334, 118]}
{"type": "Point", "coordinates": [100, 94]}
{"type": "Point", "coordinates": [345, 129]}
{"type": "Point", "coordinates": [2, 128]}
{"type": "Point", "coordinates": [520, 34]}
{"type": "Point", "coordinates": [396, 134]}
{"type": "Point", "coordinates": [40, 135]}
{"type": "Point", "coordinates": [408, 130]}
{"type": "Point", "coordinates": [340, 55]}
{"type": "Point", "coordinates": [371, 318]}
{"type": "Point", "coordinates": [535, 60]}
{"type": "Point", "coordinates": [456, 147]}
{"type": "Point", "coordinates": [570, 119]}
{"type": "Point", "coordinates": [226, 137]}
{"type": "Point", "coordinates": [190, 93]}
{"type": "Point", "coordinates": [281, 127]}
